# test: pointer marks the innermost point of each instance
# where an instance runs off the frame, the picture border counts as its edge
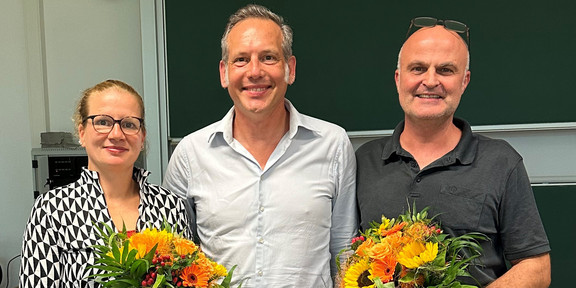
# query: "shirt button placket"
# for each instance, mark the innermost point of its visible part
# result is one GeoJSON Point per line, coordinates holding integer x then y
{"type": "Point", "coordinates": [260, 261]}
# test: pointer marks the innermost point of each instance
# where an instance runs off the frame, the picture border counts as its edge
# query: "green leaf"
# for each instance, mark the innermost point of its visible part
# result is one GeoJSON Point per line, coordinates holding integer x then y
{"type": "Point", "coordinates": [116, 252]}
{"type": "Point", "coordinates": [409, 277]}
{"type": "Point", "coordinates": [139, 268]}
{"type": "Point", "coordinates": [160, 279]}
{"type": "Point", "coordinates": [131, 256]}
{"type": "Point", "coordinates": [226, 282]}
{"type": "Point", "coordinates": [125, 251]}
{"type": "Point", "coordinates": [150, 254]}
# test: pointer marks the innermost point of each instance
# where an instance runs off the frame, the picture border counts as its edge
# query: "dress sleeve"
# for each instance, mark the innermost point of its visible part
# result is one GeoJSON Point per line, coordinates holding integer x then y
{"type": "Point", "coordinates": [40, 266]}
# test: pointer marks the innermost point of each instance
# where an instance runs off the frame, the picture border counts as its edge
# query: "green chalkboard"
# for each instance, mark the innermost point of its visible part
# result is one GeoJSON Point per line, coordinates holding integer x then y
{"type": "Point", "coordinates": [556, 205]}
{"type": "Point", "coordinates": [522, 55]}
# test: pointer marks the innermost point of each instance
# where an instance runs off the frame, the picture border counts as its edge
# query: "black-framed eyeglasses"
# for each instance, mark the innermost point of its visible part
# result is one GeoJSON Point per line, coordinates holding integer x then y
{"type": "Point", "coordinates": [104, 124]}
{"type": "Point", "coordinates": [452, 25]}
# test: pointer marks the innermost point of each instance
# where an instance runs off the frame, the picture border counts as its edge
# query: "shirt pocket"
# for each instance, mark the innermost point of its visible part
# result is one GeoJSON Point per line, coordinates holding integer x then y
{"type": "Point", "coordinates": [460, 208]}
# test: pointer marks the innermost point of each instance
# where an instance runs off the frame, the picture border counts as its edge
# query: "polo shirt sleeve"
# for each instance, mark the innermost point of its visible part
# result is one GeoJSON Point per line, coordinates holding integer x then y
{"type": "Point", "coordinates": [521, 228]}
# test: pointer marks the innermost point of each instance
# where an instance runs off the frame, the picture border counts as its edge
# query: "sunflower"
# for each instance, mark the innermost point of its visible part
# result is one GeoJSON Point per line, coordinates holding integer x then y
{"type": "Point", "coordinates": [194, 276]}
{"type": "Point", "coordinates": [415, 254]}
{"type": "Point", "coordinates": [358, 275]}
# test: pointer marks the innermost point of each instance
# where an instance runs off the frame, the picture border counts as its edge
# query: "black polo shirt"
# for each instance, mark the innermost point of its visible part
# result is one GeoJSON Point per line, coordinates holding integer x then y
{"type": "Point", "coordinates": [480, 186]}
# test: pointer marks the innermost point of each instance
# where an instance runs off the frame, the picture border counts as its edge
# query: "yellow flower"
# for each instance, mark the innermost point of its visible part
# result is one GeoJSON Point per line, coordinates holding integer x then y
{"type": "Point", "coordinates": [384, 225]}
{"type": "Point", "coordinates": [144, 242]}
{"type": "Point", "coordinates": [358, 275]}
{"type": "Point", "coordinates": [415, 254]}
{"type": "Point", "coordinates": [219, 270]}
{"type": "Point", "coordinates": [205, 263]}
{"type": "Point", "coordinates": [184, 246]}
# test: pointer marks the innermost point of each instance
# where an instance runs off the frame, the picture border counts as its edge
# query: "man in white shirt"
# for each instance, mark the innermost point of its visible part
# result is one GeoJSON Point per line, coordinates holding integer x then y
{"type": "Point", "coordinates": [269, 189]}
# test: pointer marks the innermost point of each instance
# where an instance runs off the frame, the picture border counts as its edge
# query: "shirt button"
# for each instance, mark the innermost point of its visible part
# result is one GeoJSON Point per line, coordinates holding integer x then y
{"type": "Point", "coordinates": [261, 209]}
{"type": "Point", "coordinates": [418, 179]}
{"type": "Point", "coordinates": [260, 273]}
{"type": "Point", "coordinates": [261, 240]}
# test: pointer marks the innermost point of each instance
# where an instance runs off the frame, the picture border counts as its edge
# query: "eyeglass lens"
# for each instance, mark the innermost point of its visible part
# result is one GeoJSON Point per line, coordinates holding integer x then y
{"type": "Point", "coordinates": [449, 24]}
{"type": "Point", "coordinates": [456, 26]}
{"type": "Point", "coordinates": [104, 124]}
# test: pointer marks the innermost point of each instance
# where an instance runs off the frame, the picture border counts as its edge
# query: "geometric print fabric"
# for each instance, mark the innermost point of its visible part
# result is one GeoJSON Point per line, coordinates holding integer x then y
{"type": "Point", "coordinates": [60, 231]}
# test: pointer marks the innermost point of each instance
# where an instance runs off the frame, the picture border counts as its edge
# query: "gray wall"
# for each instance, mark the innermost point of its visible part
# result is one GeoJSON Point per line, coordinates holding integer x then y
{"type": "Point", "coordinates": [15, 137]}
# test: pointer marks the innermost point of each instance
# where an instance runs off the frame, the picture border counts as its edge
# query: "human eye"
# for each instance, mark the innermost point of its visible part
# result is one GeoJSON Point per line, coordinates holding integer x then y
{"type": "Point", "coordinates": [445, 71]}
{"type": "Point", "coordinates": [418, 69]}
{"type": "Point", "coordinates": [270, 59]}
{"type": "Point", "coordinates": [240, 61]}
{"type": "Point", "coordinates": [103, 121]}
{"type": "Point", "coordinates": [130, 123]}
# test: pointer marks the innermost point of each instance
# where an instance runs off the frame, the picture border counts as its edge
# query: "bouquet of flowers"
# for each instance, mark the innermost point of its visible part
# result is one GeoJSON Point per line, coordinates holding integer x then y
{"type": "Point", "coordinates": [409, 252]}
{"type": "Point", "coordinates": [155, 258]}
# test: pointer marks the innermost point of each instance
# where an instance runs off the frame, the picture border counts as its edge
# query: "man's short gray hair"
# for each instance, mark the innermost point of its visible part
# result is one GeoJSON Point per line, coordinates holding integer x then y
{"type": "Point", "coordinates": [261, 12]}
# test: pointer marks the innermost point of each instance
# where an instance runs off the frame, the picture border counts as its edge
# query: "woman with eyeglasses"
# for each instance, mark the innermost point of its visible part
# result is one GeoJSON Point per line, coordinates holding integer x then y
{"type": "Point", "coordinates": [57, 243]}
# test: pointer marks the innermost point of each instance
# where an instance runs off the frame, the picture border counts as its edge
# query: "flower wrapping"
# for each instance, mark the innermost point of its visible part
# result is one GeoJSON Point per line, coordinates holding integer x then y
{"type": "Point", "coordinates": [155, 258]}
{"type": "Point", "coordinates": [407, 252]}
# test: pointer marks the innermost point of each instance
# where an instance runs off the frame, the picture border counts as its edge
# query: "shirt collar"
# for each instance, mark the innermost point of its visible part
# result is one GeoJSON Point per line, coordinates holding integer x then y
{"type": "Point", "coordinates": [297, 120]}
{"type": "Point", "coordinates": [464, 152]}
{"type": "Point", "coordinates": [140, 175]}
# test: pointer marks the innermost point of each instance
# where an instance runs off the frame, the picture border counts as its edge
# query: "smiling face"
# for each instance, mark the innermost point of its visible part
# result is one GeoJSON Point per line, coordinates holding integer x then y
{"type": "Point", "coordinates": [115, 149]}
{"type": "Point", "coordinates": [256, 73]}
{"type": "Point", "coordinates": [432, 74]}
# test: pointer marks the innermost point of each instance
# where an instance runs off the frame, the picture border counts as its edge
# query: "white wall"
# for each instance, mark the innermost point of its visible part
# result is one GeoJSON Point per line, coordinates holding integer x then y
{"type": "Point", "coordinates": [49, 52]}
{"type": "Point", "coordinates": [15, 140]}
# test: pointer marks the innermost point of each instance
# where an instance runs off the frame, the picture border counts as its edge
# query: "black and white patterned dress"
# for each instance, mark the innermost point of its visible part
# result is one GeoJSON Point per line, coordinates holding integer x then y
{"type": "Point", "coordinates": [60, 231]}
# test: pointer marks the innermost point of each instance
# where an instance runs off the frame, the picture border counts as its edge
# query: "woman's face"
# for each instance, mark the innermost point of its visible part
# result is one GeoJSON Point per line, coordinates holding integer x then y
{"type": "Point", "coordinates": [114, 150]}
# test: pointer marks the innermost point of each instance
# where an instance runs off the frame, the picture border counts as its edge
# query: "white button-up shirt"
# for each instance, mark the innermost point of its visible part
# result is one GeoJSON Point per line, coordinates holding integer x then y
{"type": "Point", "coordinates": [283, 225]}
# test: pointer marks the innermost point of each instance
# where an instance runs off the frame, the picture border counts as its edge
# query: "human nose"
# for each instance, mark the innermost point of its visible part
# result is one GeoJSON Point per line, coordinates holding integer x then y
{"type": "Point", "coordinates": [430, 79]}
{"type": "Point", "coordinates": [255, 69]}
{"type": "Point", "coordinates": [116, 131]}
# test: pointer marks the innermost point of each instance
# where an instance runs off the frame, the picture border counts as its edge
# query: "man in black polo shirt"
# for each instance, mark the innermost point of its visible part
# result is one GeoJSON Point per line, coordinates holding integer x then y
{"type": "Point", "coordinates": [473, 183]}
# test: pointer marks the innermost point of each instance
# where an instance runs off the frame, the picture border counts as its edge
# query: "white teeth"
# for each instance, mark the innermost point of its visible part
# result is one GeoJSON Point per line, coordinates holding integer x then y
{"type": "Point", "coordinates": [257, 89]}
{"type": "Point", "coordinates": [428, 96]}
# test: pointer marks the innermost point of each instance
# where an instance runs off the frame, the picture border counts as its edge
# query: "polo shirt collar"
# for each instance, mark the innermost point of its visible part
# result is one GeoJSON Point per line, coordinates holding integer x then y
{"type": "Point", "coordinates": [464, 152]}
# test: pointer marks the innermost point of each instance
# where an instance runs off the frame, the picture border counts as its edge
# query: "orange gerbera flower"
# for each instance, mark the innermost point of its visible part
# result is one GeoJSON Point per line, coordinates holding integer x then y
{"type": "Point", "coordinates": [383, 268]}
{"type": "Point", "coordinates": [194, 276]}
{"type": "Point", "coordinates": [184, 246]}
